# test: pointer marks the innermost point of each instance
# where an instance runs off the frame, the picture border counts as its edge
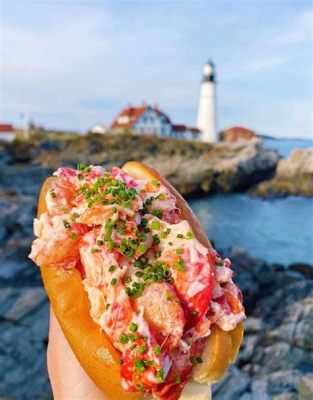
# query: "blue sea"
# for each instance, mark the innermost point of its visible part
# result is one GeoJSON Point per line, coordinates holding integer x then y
{"type": "Point", "coordinates": [275, 230]}
{"type": "Point", "coordinates": [285, 146]}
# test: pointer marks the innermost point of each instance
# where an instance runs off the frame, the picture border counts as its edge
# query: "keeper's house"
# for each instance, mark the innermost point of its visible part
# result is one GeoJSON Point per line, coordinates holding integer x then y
{"type": "Point", "coordinates": [151, 120]}
{"type": "Point", "coordinates": [7, 133]}
{"type": "Point", "coordinates": [237, 134]}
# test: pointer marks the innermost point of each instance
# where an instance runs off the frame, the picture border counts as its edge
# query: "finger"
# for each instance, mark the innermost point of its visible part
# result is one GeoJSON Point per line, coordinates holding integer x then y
{"type": "Point", "coordinates": [68, 379]}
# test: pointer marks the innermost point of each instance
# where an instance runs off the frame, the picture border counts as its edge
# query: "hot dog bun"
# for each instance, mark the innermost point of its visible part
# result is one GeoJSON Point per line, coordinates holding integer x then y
{"type": "Point", "coordinates": [91, 346]}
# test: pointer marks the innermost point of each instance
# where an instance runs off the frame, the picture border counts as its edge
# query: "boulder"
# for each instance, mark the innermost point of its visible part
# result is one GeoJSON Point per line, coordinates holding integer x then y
{"type": "Point", "coordinates": [294, 176]}
{"type": "Point", "coordinates": [304, 269]}
{"type": "Point", "coordinates": [20, 302]}
{"type": "Point", "coordinates": [23, 346]}
{"type": "Point", "coordinates": [306, 387]}
{"type": "Point", "coordinates": [232, 386]}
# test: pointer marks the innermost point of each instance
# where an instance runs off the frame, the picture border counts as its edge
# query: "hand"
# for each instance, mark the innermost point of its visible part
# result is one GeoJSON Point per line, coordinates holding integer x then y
{"type": "Point", "coordinates": [68, 379]}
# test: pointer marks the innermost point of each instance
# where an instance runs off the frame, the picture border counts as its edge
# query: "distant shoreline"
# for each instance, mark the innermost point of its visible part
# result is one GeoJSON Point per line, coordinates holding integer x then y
{"type": "Point", "coordinates": [279, 138]}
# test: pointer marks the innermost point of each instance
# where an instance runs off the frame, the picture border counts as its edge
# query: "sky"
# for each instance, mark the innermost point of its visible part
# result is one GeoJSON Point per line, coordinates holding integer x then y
{"type": "Point", "coordinates": [70, 64]}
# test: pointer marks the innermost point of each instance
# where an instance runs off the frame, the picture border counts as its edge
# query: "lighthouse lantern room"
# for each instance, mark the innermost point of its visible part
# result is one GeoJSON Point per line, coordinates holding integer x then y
{"type": "Point", "coordinates": [206, 122]}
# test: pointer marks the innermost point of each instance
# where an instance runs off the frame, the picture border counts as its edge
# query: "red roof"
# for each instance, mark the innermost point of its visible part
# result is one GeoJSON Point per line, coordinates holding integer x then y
{"type": "Point", "coordinates": [184, 128]}
{"type": "Point", "coordinates": [131, 116]}
{"type": "Point", "coordinates": [239, 128]}
{"type": "Point", "coordinates": [178, 128]}
{"type": "Point", "coordinates": [236, 133]}
{"type": "Point", "coordinates": [4, 128]}
{"type": "Point", "coordinates": [195, 130]}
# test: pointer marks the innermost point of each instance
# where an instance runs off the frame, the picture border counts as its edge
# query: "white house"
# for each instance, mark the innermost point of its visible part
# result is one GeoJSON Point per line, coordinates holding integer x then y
{"type": "Point", "coordinates": [98, 128]}
{"type": "Point", "coordinates": [7, 133]}
{"type": "Point", "coordinates": [185, 132]}
{"type": "Point", "coordinates": [151, 120]}
{"type": "Point", "coordinates": [143, 120]}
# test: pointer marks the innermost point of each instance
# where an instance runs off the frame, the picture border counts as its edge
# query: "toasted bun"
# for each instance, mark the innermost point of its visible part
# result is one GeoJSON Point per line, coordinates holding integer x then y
{"type": "Point", "coordinates": [92, 347]}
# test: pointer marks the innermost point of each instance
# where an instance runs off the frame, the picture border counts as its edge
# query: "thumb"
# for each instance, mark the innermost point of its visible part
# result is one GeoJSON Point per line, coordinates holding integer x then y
{"type": "Point", "coordinates": [68, 379]}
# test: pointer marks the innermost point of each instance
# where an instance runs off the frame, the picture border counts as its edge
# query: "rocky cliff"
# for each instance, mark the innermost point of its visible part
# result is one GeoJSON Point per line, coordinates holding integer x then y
{"type": "Point", "coordinates": [191, 167]}
{"type": "Point", "coordinates": [294, 176]}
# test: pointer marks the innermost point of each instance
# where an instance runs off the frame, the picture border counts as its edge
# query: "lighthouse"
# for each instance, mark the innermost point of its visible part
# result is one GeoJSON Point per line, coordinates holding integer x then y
{"type": "Point", "coordinates": [206, 111]}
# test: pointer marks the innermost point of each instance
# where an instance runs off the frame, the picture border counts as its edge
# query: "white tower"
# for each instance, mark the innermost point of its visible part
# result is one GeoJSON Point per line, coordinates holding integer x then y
{"type": "Point", "coordinates": [206, 110]}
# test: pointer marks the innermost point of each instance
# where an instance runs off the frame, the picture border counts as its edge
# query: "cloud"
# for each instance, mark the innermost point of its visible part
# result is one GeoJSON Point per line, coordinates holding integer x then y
{"type": "Point", "coordinates": [301, 32]}
{"type": "Point", "coordinates": [261, 64]}
{"type": "Point", "coordinates": [66, 45]}
{"type": "Point", "coordinates": [272, 50]}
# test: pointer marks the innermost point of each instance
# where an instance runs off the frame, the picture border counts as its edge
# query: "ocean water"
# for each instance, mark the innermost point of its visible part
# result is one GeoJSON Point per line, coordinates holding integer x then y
{"type": "Point", "coordinates": [275, 230]}
{"type": "Point", "coordinates": [285, 146]}
{"type": "Point", "coordinates": [279, 230]}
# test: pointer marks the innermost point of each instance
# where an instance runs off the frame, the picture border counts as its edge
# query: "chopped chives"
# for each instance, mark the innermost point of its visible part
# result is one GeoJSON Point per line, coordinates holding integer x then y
{"type": "Point", "coordinates": [149, 363]}
{"type": "Point", "coordinates": [139, 366]}
{"type": "Point", "coordinates": [66, 224]}
{"type": "Point", "coordinates": [161, 196]}
{"type": "Point", "coordinates": [133, 327]}
{"type": "Point", "coordinates": [157, 213]}
{"type": "Point", "coordinates": [124, 338]}
{"type": "Point", "coordinates": [155, 225]}
{"type": "Point", "coordinates": [142, 248]}
{"type": "Point", "coordinates": [160, 375]}
{"type": "Point", "coordinates": [73, 235]}
{"type": "Point", "coordinates": [156, 239]}
{"type": "Point", "coordinates": [111, 245]}
{"type": "Point", "coordinates": [142, 349]}
{"type": "Point", "coordinates": [189, 235]}
{"type": "Point", "coordinates": [179, 265]}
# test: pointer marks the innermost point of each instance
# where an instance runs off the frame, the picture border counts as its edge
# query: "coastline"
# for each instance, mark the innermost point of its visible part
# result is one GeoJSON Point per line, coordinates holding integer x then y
{"type": "Point", "coordinates": [192, 167]}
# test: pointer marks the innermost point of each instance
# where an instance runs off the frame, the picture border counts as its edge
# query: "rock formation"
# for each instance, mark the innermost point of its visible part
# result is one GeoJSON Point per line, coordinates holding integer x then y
{"type": "Point", "coordinates": [294, 176]}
